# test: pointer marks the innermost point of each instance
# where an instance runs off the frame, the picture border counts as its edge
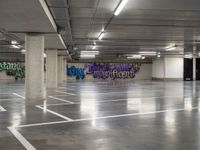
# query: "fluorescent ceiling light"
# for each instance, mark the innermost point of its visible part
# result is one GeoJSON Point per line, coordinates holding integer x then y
{"type": "Point", "coordinates": [90, 52]}
{"type": "Point", "coordinates": [171, 47]}
{"type": "Point", "coordinates": [16, 46]}
{"type": "Point", "coordinates": [148, 53]}
{"type": "Point", "coordinates": [101, 35]}
{"type": "Point", "coordinates": [87, 55]}
{"type": "Point", "coordinates": [120, 7]}
{"type": "Point", "coordinates": [23, 51]}
{"type": "Point", "coordinates": [134, 57]}
{"type": "Point", "coordinates": [188, 56]}
{"type": "Point", "coordinates": [14, 42]}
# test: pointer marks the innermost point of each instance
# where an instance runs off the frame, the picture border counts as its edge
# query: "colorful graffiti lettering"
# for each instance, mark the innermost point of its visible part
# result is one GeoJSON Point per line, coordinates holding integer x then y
{"type": "Point", "coordinates": [77, 72]}
{"type": "Point", "coordinates": [13, 69]}
{"type": "Point", "coordinates": [113, 71]}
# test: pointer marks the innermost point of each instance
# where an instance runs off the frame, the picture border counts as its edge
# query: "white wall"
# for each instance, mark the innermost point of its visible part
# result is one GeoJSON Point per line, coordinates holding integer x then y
{"type": "Point", "coordinates": [168, 68]}
{"type": "Point", "coordinates": [174, 68]}
{"type": "Point", "coordinates": [3, 76]}
{"type": "Point", "coordinates": [158, 68]}
{"type": "Point", "coordinates": [145, 72]}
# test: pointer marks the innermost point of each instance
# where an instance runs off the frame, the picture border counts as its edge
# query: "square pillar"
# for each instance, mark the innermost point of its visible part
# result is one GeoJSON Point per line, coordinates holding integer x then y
{"type": "Point", "coordinates": [51, 73]}
{"type": "Point", "coordinates": [65, 69]}
{"type": "Point", "coordinates": [60, 69]}
{"type": "Point", "coordinates": [34, 63]}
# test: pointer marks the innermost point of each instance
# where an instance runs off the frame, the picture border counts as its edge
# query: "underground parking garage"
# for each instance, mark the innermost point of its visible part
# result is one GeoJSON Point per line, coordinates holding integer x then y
{"type": "Point", "coordinates": [99, 74]}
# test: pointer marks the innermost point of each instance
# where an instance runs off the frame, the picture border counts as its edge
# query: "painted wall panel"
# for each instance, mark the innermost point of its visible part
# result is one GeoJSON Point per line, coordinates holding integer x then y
{"type": "Point", "coordinates": [145, 72]}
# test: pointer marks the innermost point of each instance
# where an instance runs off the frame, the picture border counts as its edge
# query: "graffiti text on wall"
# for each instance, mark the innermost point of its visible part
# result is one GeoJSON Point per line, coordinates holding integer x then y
{"type": "Point", "coordinates": [77, 72]}
{"type": "Point", "coordinates": [13, 69]}
{"type": "Point", "coordinates": [113, 71]}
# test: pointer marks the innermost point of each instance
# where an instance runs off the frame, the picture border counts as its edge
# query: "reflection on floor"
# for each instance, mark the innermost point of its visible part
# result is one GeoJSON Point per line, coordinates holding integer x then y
{"type": "Point", "coordinates": [102, 115]}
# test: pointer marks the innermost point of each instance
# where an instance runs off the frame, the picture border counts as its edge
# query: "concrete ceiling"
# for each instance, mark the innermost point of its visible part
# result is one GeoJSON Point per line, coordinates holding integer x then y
{"type": "Point", "coordinates": [25, 16]}
{"type": "Point", "coordinates": [142, 25]}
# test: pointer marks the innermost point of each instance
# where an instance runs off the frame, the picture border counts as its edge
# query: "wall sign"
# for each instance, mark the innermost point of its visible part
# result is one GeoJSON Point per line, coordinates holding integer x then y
{"type": "Point", "coordinates": [79, 73]}
{"type": "Point", "coordinates": [13, 69]}
{"type": "Point", "coordinates": [113, 71]}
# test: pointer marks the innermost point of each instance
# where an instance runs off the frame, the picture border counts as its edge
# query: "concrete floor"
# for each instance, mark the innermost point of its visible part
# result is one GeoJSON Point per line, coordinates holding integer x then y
{"type": "Point", "coordinates": [103, 115]}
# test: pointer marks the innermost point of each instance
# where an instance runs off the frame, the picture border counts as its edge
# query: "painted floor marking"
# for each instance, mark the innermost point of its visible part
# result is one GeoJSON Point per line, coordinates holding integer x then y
{"type": "Point", "coordinates": [66, 88]}
{"type": "Point", "coordinates": [107, 117]}
{"type": "Point", "coordinates": [66, 93]}
{"type": "Point", "coordinates": [19, 95]}
{"type": "Point", "coordinates": [77, 103]}
{"type": "Point", "coordinates": [2, 109]}
{"type": "Point", "coordinates": [104, 101]}
{"type": "Point", "coordinates": [55, 113]}
{"type": "Point", "coordinates": [59, 99]}
{"type": "Point", "coordinates": [21, 139]}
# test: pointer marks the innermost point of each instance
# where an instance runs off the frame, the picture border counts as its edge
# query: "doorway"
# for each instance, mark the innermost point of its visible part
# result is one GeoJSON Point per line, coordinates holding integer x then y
{"type": "Point", "coordinates": [198, 69]}
{"type": "Point", "coordinates": [188, 69]}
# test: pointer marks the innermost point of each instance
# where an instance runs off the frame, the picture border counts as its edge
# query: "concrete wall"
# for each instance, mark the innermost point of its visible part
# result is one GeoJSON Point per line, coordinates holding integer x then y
{"type": "Point", "coordinates": [174, 68]}
{"type": "Point", "coordinates": [168, 68]}
{"type": "Point", "coordinates": [3, 76]}
{"type": "Point", "coordinates": [158, 68]}
{"type": "Point", "coordinates": [145, 72]}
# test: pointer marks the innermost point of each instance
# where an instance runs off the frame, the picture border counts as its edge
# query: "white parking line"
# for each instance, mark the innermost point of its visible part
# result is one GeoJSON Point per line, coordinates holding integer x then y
{"type": "Point", "coordinates": [2, 109]}
{"type": "Point", "coordinates": [65, 88]}
{"type": "Point", "coordinates": [19, 95]}
{"type": "Point", "coordinates": [55, 113]}
{"type": "Point", "coordinates": [107, 117]}
{"type": "Point", "coordinates": [21, 139]}
{"type": "Point", "coordinates": [66, 93]}
{"type": "Point", "coordinates": [77, 103]}
{"type": "Point", "coordinates": [59, 99]}
{"type": "Point", "coordinates": [105, 101]}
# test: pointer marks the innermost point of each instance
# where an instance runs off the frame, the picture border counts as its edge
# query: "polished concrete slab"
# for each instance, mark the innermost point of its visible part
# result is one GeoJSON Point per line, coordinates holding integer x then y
{"type": "Point", "coordinates": [103, 115]}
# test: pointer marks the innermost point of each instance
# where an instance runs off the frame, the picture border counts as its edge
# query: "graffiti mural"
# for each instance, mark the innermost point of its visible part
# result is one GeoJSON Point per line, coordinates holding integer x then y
{"type": "Point", "coordinates": [13, 69]}
{"type": "Point", "coordinates": [113, 71]}
{"type": "Point", "coordinates": [79, 73]}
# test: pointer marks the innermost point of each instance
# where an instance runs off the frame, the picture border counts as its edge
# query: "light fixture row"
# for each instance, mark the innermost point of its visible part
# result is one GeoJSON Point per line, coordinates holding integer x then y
{"type": "Point", "coordinates": [116, 13]}
{"type": "Point", "coordinates": [102, 33]}
{"type": "Point", "coordinates": [143, 54]}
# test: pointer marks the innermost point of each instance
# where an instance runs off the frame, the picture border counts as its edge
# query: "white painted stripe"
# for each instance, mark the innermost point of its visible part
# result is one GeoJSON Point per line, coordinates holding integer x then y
{"type": "Point", "coordinates": [21, 139]}
{"type": "Point", "coordinates": [65, 88]}
{"type": "Point", "coordinates": [106, 117]}
{"type": "Point", "coordinates": [66, 93]}
{"type": "Point", "coordinates": [55, 113]}
{"type": "Point", "coordinates": [104, 101]}
{"type": "Point", "coordinates": [59, 99]}
{"type": "Point", "coordinates": [97, 102]}
{"type": "Point", "coordinates": [41, 124]}
{"type": "Point", "coordinates": [58, 104]}
{"type": "Point", "coordinates": [134, 114]}
{"type": "Point", "coordinates": [19, 95]}
{"type": "Point", "coordinates": [2, 109]}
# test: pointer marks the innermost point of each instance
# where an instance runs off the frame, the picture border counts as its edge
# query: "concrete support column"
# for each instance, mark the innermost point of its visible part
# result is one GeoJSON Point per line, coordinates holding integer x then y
{"type": "Point", "coordinates": [194, 63]}
{"type": "Point", "coordinates": [60, 70]}
{"type": "Point", "coordinates": [34, 63]}
{"type": "Point", "coordinates": [65, 69]}
{"type": "Point", "coordinates": [194, 68]}
{"type": "Point", "coordinates": [51, 61]}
